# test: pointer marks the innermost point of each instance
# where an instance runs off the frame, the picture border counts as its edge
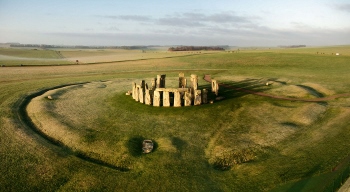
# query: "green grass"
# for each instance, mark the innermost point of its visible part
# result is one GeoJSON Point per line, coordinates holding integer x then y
{"type": "Point", "coordinates": [291, 152]}
{"type": "Point", "coordinates": [297, 67]}
{"type": "Point", "coordinates": [31, 53]}
{"type": "Point", "coordinates": [23, 57]}
{"type": "Point", "coordinates": [324, 51]}
{"type": "Point", "coordinates": [34, 62]}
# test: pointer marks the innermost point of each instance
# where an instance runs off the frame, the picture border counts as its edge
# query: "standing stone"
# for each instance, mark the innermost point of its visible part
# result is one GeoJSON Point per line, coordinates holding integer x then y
{"type": "Point", "coordinates": [188, 98]}
{"type": "Point", "coordinates": [194, 81]}
{"type": "Point", "coordinates": [182, 80]}
{"type": "Point", "coordinates": [177, 99]}
{"type": "Point", "coordinates": [148, 100]}
{"type": "Point", "coordinates": [166, 99]}
{"type": "Point", "coordinates": [137, 92]}
{"type": "Point", "coordinates": [162, 81]}
{"type": "Point", "coordinates": [134, 90]}
{"type": "Point", "coordinates": [158, 81]}
{"type": "Point", "coordinates": [141, 95]}
{"type": "Point", "coordinates": [197, 97]}
{"type": "Point", "coordinates": [146, 87]}
{"type": "Point", "coordinates": [214, 87]}
{"type": "Point", "coordinates": [205, 96]}
{"type": "Point", "coordinates": [156, 98]}
{"type": "Point", "coordinates": [143, 84]}
{"type": "Point", "coordinates": [151, 94]}
{"type": "Point", "coordinates": [153, 83]}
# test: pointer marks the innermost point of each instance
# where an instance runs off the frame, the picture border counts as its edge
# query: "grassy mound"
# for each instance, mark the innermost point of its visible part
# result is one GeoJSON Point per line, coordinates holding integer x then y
{"type": "Point", "coordinates": [107, 127]}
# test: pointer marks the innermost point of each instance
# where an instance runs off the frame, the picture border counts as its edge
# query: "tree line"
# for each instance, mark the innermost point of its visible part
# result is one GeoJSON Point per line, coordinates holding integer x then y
{"type": "Point", "coordinates": [196, 48]}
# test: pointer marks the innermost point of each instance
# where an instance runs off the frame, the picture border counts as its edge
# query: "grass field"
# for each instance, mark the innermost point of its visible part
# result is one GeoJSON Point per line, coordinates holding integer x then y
{"type": "Point", "coordinates": [40, 57]}
{"type": "Point", "coordinates": [331, 50]}
{"type": "Point", "coordinates": [88, 137]}
{"type": "Point", "coordinates": [35, 56]}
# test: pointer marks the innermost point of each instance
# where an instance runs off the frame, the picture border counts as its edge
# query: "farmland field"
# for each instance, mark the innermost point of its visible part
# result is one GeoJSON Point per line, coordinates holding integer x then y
{"type": "Point", "coordinates": [88, 136]}
{"type": "Point", "coordinates": [39, 57]}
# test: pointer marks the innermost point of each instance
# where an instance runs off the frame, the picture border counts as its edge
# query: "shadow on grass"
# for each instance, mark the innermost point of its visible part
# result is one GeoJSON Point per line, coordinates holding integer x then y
{"type": "Point", "coordinates": [309, 181]}
{"type": "Point", "coordinates": [178, 143]}
{"type": "Point", "coordinates": [311, 90]}
{"type": "Point", "coordinates": [90, 159]}
{"type": "Point", "coordinates": [290, 124]}
{"type": "Point", "coordinates": [234, 89]}
{"type": "Point", "coordinates": [305, 183]}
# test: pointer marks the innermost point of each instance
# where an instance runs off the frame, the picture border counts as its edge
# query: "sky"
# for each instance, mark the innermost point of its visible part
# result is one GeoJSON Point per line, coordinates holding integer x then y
{"type": "Point", "coordinates": [176, 22]}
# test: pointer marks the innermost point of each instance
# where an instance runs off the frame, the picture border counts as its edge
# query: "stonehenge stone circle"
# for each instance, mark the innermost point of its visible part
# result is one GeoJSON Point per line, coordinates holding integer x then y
{"type": "Point", "coordinates": [158, 95]}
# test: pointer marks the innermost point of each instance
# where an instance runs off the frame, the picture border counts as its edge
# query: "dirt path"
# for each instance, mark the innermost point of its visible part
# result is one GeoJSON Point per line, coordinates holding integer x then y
{"type": "Point", "coordinates": [208, 79]}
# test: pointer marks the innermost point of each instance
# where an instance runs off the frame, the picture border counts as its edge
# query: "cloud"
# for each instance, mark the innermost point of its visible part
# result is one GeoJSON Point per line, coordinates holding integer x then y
{"type": "Point", "coordinates": [197, 28]}
{"type": "Point", "coordinates": [227, 18]}
{"type": "Point", "coordinates": [343, 7]}
{"type": "Point", "coordinates": [112, 28]}
{"type": "Point", "coordinates": [259, 36]}
{"type": "Point", "coordinates": [142, 18]}
{"type": "Point", "coordinates": [179, 22]}
{"type": "Point", "coordinates": [202, 20]}
{"type": "Point", "coordinates": [188, 19]}
{"type": "Point", "coordinates": [135, 18]}
{"type": "Point", "coordinates": [191, 15]}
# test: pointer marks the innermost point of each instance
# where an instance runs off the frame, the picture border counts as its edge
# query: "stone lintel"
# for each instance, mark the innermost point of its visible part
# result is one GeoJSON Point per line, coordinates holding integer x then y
{"type": "Point", "coordinates": [172, 90]}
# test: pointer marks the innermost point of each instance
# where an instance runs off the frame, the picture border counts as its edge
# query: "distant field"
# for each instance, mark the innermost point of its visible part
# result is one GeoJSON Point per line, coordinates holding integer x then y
{"type": "Point", "coordinates": [35, 56]}
{"type": "Point", "coordinates": [36, 53]}
{"type": "Point", "coordinates": [89, 135]}
{"type": "Point", "coordinates": [342, 50]}
{"type": "Point", "coordinates": [18, 56]}
{"type": "Point", "coordinates": [110, 55]}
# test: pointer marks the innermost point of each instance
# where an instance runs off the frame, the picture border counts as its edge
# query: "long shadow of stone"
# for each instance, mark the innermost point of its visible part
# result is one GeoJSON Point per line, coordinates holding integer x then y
{"type": "Point", "coordinates": [290, 124]}
{"type": "Point", "coordinates": [232, 88]}
{"type": "Point", "coordinates": [315, 93]}
{"type": "Point", "coordinates": [311, 90]}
